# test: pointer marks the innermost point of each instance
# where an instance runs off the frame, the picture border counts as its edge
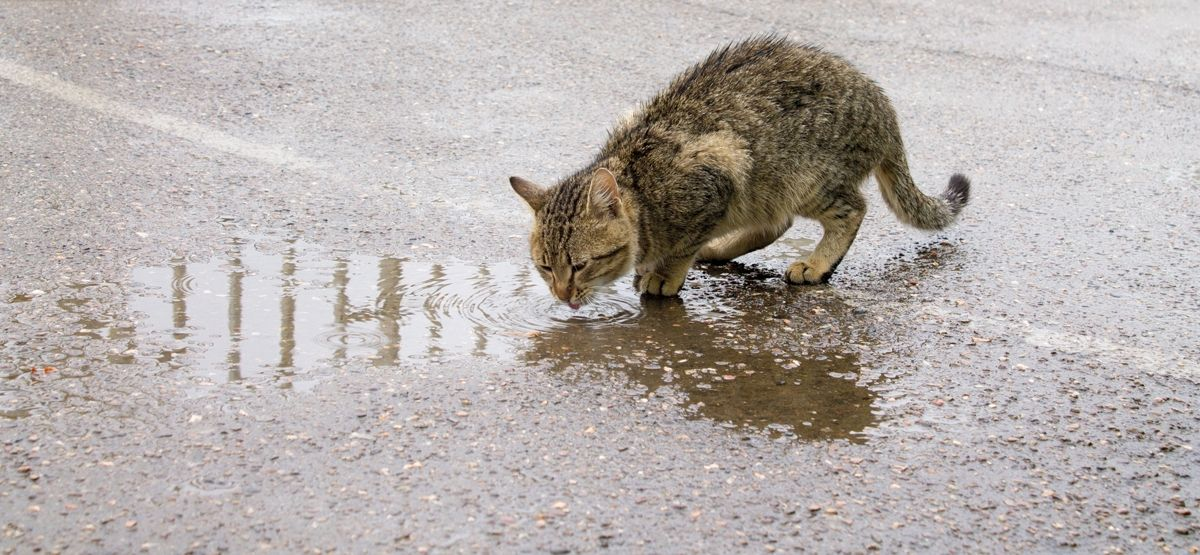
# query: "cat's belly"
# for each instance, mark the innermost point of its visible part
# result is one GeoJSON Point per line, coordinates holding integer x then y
{"type": "Point", "coordinates": [760, 204]}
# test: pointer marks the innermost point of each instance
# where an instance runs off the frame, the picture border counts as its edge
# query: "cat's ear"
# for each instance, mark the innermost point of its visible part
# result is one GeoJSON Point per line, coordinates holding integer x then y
{"type": "Point", "coordinates": [534, 195]}
{"type": "Point", "coordinates": [604, 193]}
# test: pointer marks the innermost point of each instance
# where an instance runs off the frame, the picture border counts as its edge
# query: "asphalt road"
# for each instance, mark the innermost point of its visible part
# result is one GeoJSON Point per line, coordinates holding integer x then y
{"type": "Point", "coordinates": [262, 287]}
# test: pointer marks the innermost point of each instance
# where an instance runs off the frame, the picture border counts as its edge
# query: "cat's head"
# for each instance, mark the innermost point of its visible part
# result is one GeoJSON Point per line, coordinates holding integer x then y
{"type": "Point", "coordinates": [582, 236]}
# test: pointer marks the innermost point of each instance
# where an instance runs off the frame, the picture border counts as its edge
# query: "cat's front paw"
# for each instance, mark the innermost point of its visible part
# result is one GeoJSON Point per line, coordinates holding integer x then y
{"type": "Point", "coordinates": [806, 273]}
{"type": "Point", "coordinates": [655, 284]}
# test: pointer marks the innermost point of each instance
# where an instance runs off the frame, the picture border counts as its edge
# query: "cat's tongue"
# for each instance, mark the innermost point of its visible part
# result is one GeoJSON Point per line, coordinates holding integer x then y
{"type": "Point", "coordinates": [574, 306]}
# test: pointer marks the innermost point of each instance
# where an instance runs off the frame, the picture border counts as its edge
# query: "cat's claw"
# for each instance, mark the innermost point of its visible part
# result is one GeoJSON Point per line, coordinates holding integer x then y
{"type": "Point", "coordinates": [654, 284]}
{"type": "Point", "coordinates": [803, 273]}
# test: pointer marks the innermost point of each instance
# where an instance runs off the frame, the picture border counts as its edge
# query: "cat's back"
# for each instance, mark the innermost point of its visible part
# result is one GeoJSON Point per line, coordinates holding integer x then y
{"type": "Point", "coordinates": [746, 66]}
{"type": "Point", "coordinates": [760, 79]}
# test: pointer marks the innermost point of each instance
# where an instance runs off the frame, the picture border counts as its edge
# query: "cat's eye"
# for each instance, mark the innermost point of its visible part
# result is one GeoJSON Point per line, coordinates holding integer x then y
{"type": "Point", "coordinates": [580, 266]}
{"type": "Point", "coordinates": [610, 254]}
{"type": "Point", "coordinates": [545, 269]}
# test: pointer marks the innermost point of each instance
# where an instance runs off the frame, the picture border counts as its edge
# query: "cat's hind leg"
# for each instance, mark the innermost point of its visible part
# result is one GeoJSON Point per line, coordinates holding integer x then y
{"type": "Point", "coordinates": [743, 241]}
{"type": "Point", "coordinates": [840, 221]}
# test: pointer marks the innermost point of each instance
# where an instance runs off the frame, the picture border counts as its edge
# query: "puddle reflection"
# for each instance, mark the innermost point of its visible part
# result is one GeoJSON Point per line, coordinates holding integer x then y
{"type": "Point", "coordinates": [260, 313]}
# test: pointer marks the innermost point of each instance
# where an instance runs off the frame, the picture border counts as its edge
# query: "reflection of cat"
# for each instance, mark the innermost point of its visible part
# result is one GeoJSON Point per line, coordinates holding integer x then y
{"type": "Point", "coordinates": [725, 354]}
{"type": "Point", "coordinates": [719, 164]}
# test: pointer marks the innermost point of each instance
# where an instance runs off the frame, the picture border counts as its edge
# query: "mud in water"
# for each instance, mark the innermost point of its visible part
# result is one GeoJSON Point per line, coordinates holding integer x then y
{"type": "Point", "coordinates": [740, 347]}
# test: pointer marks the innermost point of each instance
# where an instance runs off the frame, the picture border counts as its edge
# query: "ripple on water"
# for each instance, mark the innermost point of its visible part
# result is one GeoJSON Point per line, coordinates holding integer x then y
{"type": "Point", "coordinates": [355, 338]}
{"type": "Point", "coordinates": [183, 284]}
{"type": "Point", "coordinates": [511, 301]}
{"type": "Point", "coordinates": [209, 487]}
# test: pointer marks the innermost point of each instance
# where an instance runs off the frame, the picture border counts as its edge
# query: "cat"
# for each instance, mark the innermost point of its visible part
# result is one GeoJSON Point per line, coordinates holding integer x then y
{"type": "Point", "coordinates": [719, 164]}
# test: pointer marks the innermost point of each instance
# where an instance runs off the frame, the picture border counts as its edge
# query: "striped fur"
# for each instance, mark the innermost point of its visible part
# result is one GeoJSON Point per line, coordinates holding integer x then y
{"type": "Point", "coordinates": [720, 163]}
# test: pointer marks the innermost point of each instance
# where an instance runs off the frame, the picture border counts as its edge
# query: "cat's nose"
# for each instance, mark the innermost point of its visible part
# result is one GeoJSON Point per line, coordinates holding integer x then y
{"type": "Point", "coordinates": [563, 292]}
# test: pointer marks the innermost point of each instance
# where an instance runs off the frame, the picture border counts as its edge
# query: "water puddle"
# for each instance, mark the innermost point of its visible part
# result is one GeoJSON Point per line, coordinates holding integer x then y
{"type": "Point", "coordinates": [740, 347]}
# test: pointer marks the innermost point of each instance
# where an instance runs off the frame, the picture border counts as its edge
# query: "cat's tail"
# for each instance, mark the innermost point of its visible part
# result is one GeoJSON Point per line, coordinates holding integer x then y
{"type": "Point", "coordinates": [912, 206]}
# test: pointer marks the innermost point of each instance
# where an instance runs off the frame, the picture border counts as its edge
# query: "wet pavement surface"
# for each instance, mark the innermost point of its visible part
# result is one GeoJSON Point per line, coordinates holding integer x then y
{"type": "Point", "coordinates": [263, 286]}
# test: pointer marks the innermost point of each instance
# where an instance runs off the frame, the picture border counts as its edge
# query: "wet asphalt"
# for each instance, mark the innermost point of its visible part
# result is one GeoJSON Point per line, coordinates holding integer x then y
{"type": "Point", "coordinates": [262, 288]}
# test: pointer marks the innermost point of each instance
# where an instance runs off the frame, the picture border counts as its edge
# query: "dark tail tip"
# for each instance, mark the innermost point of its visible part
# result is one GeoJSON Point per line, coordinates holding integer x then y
{"type": "Point", "coordinates": [958, 193]}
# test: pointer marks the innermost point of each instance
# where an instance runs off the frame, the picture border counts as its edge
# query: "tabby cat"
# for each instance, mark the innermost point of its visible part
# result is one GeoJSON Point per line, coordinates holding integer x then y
{"type": "Point", "coordinates": [719, 164]}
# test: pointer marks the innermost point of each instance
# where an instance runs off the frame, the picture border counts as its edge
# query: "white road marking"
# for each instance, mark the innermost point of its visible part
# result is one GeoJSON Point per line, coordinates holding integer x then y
{"type": "Point", "coordinates": [194, 132]}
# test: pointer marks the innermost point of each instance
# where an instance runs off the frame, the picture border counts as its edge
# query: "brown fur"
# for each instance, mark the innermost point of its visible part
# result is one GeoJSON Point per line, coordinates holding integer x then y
{"type": "Point", "coordinates": [718, 165]}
